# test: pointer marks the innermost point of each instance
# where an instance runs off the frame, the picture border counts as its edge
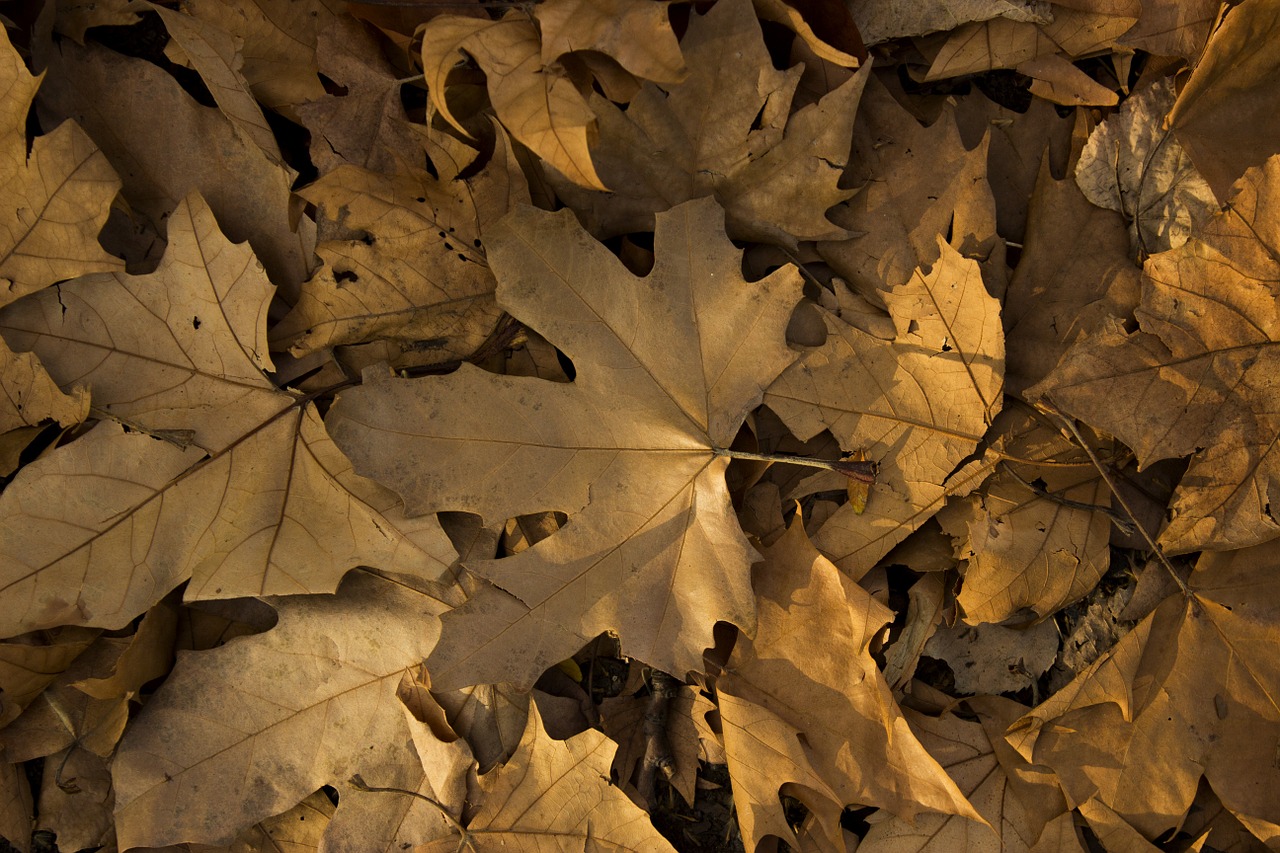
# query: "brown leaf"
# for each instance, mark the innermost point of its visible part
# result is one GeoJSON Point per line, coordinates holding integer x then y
{"type": "Point", "coordinates": [637, 36]}
{"type": "Point", "coordinates": [30, 663]}
{"type": "Point", "coordinates": [76, 799]}
{"type": "Point", "coordinates": [556, 795]}
{"type": "Point", "coordinates": [881, 20]}
{"type": "Point", "coordinates": [56, 198]}
{"type": "Point", "coordinates": [1203, 363]}
{"type": "Point", "coordinates": [1190, 691]}
{"type": "Point", "coordinates": [918, 405]}
{"type": "Point", "coordinates": [16, 806]}
{"type": "Point", "coordinates": [807, 702]}
{"type": "Point", "coordinates": [30, 395]}
{"type": "Point", "coordinates": [306, 704]}
{"type": "Point", "coordinates": [623, 720]}
{"type": "Point", "coordinates": [667, 368]}
{"type": "Point", "coordinates": [696, 138]}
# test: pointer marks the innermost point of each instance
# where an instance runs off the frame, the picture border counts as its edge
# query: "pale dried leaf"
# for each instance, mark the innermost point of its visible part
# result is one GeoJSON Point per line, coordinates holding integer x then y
{"type": "Point", "coordinates": [79, 810]}
{"type": "Point", "coordinates": [28, 395]}
{"type": "Point", "coordinates": [882, 20]}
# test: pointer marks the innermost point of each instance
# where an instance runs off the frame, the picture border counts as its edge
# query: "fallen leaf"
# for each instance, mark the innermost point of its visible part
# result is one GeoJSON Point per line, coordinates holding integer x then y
{"type": "Point", "coordinates": [308, 703]}
{"type": "Point", "coordinates": [1185, 694]}
{"type": "Point", "coordinates": [1133, 165]}
{"type": "Point", "coordinates": [918, 405]}
{"type": "Point", "coordinates": [31, 396]}
{"type": "Point", "coordinates": [555, 793]}
{"type": "Point", "coordinates": [16, 806]}
{"type": "Point", "coordinates": [1173, 27]}
{"type": "Point", "coordinates": [76, 799]}
{"type": "Point", "coordinates": [723, 131]}
{"type": "Point", "coordinates": [806, 702]}
{"type": "Point", "coordinates": [882, 20]}
{"type": "Point", "coordinates": [994, 659]}
{"type": "Point", "coordinates": [623, 720]}
{"type": "Point", "coordinates": [637, 36]}
{"type": "Point", "coordinates": [627, 450]}
{"type": "Point", "coordinates": [30, 663]}
{"type": "Point", "coordinates": [57, 197]}
{"type": "Point", "coordinates": [1203, 359]}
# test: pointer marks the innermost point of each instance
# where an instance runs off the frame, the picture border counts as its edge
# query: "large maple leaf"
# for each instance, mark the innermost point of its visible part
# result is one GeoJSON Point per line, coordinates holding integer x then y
{"type": "Point", "coordinates": [668, 366]}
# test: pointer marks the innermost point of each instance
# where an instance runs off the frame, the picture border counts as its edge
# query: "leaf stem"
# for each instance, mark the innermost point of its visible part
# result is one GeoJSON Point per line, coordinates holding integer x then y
{"type": "Point", "coordinates": [863, 472]}
{"type": "Point", "coordinates": [357, 782]}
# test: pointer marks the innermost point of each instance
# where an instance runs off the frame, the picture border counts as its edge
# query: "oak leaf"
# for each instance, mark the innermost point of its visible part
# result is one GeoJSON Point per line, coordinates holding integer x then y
{"type": "Point", "coordinates": [309, 703]}
{"type": "Point", "coordinates": [804, 701]}
{"type": "Point", "coordinates": [725, 130]}
{"type": "Point", "coordinates": [1189, 692]}
{"type": "Point", "coordinates": [667, 367]}
{"type": "Point", "coordinates": [56, 198]}
{"type": "Point", "coordinates": [555, 795]}
{"type": "Point", "coordinates": [1203, 363]}
{"type": "Point", "coordinates": [918, 404]}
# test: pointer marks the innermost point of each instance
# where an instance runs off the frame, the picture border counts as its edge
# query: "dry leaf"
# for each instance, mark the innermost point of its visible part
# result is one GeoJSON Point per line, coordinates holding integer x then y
{"type": "Point", "coordinates": [1203, 364]}
{"type": "Point", "coordinates": [555, 795]}
{"type": "Point", "coordinates": [30, 663]}
{"type": "Point", "coordinates": [16, 806]}
{"type": "Point", "coordinates": [881, 20]}
{"type": "Point", "coordinates": [306, 704]}
{"type": "Point", "coordinates": [652, 549]}
{"type": "Point", "coordinates": [57, 197]}
{"type": "Point", "coordinates": [637, 36]}
{"type": "Point", "coordinates": [31, 396]}
{"type": "Point", "coordinates": [993, 659]}
{"type": "Point", "coordinates": [807, 702]}
{"type": "Point", "coordinates": [918, 405]}
{"type": "Point", "coordinates": [723, 131]}
{"type": "Point", "coordinates": [76, 799]}
{"type": "Point", "coordinates": [623, 720]}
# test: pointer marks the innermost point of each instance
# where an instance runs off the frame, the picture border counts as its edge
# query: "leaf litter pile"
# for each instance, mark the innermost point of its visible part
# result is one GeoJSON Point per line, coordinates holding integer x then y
{"type": "Point", "coordinates": [629, 425]}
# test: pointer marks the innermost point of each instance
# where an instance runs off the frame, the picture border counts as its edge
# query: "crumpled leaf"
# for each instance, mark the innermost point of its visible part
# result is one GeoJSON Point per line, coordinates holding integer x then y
{"type": "Point", "coordinates": [309, 703]}
{"type": "Point", "coordinates": [696, 138]}
{"type": "Point", "coordinates": [917, 405]}
{"type": "Point", "coordinates": [537, 104]}
{"type": "Point", "coordinates": [555, 795]}
{"type": "Point", "coordinates": [1204, 358]}
{"type": "Point", "coordinates": [1133, 165]}
{"type": "Point", "coordinates": [56, 198]}
{"type": "Point", "coordinates": [667, 367]}
{"type": "Point", "coordinates": [1189, 692]}
{"type": "Point", "coordinates": [806, 702]}
{"type": "Point", "coordinates": [420, 276]}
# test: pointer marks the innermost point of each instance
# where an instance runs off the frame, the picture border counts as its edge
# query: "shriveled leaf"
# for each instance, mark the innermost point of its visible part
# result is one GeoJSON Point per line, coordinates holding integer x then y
{"type": "Point", "coordinates": [918, 405]}
{"type": "Point", "coordinates": [1134, 165]}
{"type": "Point", "coordinates": [537, 104]}
{"type": "Point", "coordinates": [667, 367]}
{"type": "Point", "coordinates": [723, 131]}
{"type": "Point", "coordinates": [57, 197]}
{"type": "Point", "coordinates": [1202, 365]}
{"type": "Point", "coordinates": [309, 703]}
{"type": "Point", "coordinates": [833, 717]}
{"type": "Point", "coordinates": [1189, 692]}
{"type": "Point", "coordinates": [555, 795]}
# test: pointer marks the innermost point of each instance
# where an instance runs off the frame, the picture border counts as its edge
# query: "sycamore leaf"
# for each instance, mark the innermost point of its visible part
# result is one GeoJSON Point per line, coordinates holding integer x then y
{"type": "Point", "coordinates": [100, 530]}
{"type": "Point", "coordinates": [667, 368]}
{"type": "Point", "coordinates": [556, 795]}
{"type": "Point", "coordinates": [56, 198]}
{"type": "Point", "coordinates": [696, 138]}
{"type": "Point", "coordinates": [30, 395]}
{"type": "Point", "coordinates": [1017, 800]}
{"type": "Point", "coordinates": [807, 702]}
{"type": "Point", "coordinates": [1191, 691]}
{"type": "Point", "coordinates": [183, 348]}
{"type": "Point", "coordinates": [637, 36]}
{"type": "Point", "coordinates": [537, 104]}
{"type": "Point", "coordinates": [1203, 365]}
{"type": "Point", "coordinates": [420, 275]}
{"type": "Point", "coordinates": [309, 703]}
{"type": "Point", "coordinates": [918, 405]}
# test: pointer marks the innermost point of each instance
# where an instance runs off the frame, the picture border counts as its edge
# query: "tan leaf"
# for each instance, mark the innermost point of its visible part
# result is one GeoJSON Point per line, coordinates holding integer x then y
{"type": "Point", "coordinates": [696, 138]}
{"type": "Point", "coordinates": [147, 655]}
{"type": "Point", "coordinates": [1016, 799]}
{"type": "Point", "coordinates": [30, 663]}
{"type": "Point", "coordinates": [300, 828]}
{"type": "Point", "coordinates": [1025, 551]}
{"type": "Point", "coordinates": [30, 395]}
{"type": "Point", "coordinates": [556, 795]}
{"type": "Point", "coordinates": [623, 720]}
{"type": "Point", "coordinates": [76, 799]}
{"type": "Point", "coordinates": [16, 806]}
{"type": "Point", "coordinates": [491, 717]}
{"type": "Point", "coordinates": [924, 612]}
{"type": "Point", "coordinates": [667, 366]}
{"type": "Point", "coordinates": [420, 276]}
{"type": "Point", "coordinates": [1190, 691]}
{"type": "Point", "coordinates": [1228, 115]}
{"type": "Point", "coordinates": [830, 714]}
{"type": "Point", "coordinates": [309, 703]}
{"type": "Point", "coordinates": [537, 104]}
{"type": "Point", "coordinates": [116, 98]}
{"type": "Point", "coordinates": [1173, 27]}
{"type": "Point", "coordinates": [105, 527]}
{"type": "Point", "coordinates": [918, 405]}
{"type": "Point", "coordinates": [73, 17]}
{"type": "Point", "coordinates": [1135, 166]}
{"type": "Point", "coordinates": [1204, 359]}
{"type": "Point", "coordinates": [636, 35]}
{"type": "Point", "coordinates": [881, 20]}
{"type": "Point", "coordinates": [56, 198]}
{"type": "Point", "coordinates": [993, 659]}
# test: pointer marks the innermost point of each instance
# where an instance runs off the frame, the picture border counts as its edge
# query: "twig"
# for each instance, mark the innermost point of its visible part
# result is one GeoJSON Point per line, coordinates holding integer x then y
{"type": "Point", "coordinates": [1122, 523]}
{"type": "Point", "coordinates": [1051, 408]}
{"type": "Point", "coordinates": [464, 840]}
{"type": "Point", "coordinates": [862, 471]}
{"type": "Point", "coordinates": [658, 757]}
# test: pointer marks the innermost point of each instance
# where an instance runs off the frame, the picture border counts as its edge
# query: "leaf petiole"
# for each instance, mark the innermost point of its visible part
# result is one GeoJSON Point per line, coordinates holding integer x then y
{"type": "Point", "coordinates": [862, 471]}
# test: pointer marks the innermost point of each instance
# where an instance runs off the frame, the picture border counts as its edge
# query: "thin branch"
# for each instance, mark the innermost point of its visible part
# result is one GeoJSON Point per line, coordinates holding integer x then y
{"type": "Point", "coordinates": [1123, 524]}
{"type": "Point", "coordinates": [862, 471]}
